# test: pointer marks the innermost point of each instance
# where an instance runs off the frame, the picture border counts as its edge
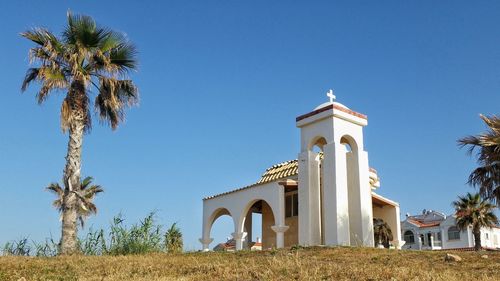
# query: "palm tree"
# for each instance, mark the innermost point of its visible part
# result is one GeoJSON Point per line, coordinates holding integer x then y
{"type": "Point", "coordinates": [84, 198]}
{"type": "Point", "coordinates": [471, 210]}
{"type": "Point", "coordinates": [487, 175]}
{"type": "Point", "coordinates": [84, 56]}
{"type": "Point", "coordinates": [173, 239]}
{"type": "Point", "coordinates": [382, 232]}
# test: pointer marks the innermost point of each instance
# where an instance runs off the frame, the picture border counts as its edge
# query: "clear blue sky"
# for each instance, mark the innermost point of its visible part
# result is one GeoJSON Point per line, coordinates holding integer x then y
{"type": "Point", "coordinates": [221, 83]}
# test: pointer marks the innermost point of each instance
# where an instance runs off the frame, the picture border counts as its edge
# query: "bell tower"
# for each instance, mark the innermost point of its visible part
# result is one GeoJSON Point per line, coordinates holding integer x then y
{"type": "Point", "coordinates": [335, 205]}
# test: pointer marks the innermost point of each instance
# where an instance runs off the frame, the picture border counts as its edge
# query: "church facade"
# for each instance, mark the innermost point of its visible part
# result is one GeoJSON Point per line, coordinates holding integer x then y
{"type": "Point", "coordinates": [325, 197]}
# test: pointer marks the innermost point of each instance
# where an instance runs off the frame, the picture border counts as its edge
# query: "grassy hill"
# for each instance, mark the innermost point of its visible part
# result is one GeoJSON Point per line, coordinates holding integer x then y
{"type": "Point", "coordinates": [302, 264]}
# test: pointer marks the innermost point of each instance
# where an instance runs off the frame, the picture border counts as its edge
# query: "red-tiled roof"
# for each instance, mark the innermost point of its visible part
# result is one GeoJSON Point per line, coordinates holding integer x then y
{"type": "Point", "coordinates": [423, 225]}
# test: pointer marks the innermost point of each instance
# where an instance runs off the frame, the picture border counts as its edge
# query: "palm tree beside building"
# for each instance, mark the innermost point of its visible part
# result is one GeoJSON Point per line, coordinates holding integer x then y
{"type": "Point", "coordinates": [471, 210]}
{"type": "Point", "coordinates": [382, 233]}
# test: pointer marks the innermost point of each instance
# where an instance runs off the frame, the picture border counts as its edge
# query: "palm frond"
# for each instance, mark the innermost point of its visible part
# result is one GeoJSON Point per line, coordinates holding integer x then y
{"type": "Point", "coordinates": [111, 40]}
{"type": "Point", "coordinates": [40, 36]}
{"type": "Point", "coordinates": [487, 176]}
{"type": "Point", "coordinates": [92, 191]}
{"type": "Point", "coordinates": [56, 189]}
{"type": "Point", "coordinates": [31, 75]}
{"type": "Point", "coordinates": [80, 31]}
{"type": "Point", "coordinates": [86, 182]}
{"type": "Point", "coordinates": [123, 56]}
{"type": "Point", "coordinates": [114, 95]}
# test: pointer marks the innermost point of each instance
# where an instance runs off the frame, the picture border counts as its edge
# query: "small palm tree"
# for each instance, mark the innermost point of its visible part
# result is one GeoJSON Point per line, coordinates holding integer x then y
{"type": "Point", "coordinates": [471, 210]}
{"type": "Point", "coordinates": [85, 197]}
{"type": "Point", "coordinates": [382, 233]}
{"type": "Point", "coordinates": [173, 239]}
{"type": "Point", "coordinates": [487, 176]}
{"type": "Point", "coordinates": [85, 56]}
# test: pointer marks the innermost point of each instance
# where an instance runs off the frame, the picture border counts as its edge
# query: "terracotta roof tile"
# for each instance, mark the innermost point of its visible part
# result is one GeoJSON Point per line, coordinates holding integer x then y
{"type": "Point", "coordinates": [423, 225]}
{"type": "Point", "coordinates": [276, 172]}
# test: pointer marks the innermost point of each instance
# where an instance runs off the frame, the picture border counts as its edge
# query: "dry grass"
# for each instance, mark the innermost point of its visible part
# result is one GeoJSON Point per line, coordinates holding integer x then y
{"type": "Point", "coordinates": [303, 264]}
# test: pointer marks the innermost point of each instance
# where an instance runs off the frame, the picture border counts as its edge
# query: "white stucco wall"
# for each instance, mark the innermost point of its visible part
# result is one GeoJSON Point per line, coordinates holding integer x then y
{"type": "Point", "coordinates": [347, 205]}
{"type": "Point", "coordinates": [238, 204]}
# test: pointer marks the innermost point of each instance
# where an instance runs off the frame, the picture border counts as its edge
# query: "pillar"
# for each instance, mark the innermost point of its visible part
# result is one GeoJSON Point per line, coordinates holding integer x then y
{"type": "Point", "coordinates": [336, 214]}
{"type": "Point", "coordinates": [362, 210]}
{"type": "Point", "coordinates": [280, 235]}
{"type": "Point", "coordinates": [394, 223]}
{"type": "Point", "coordinates": [248, 228]}
{"type": "Point", "coordinates": [309, 196]}
{"type": "Point", "coordinates": [239, 238]}
{"type": "Point", "coordinates": [205, 242]}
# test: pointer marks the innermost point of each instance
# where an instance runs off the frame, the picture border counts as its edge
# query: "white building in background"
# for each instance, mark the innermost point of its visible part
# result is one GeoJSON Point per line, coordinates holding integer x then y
{"type": "Point", "coordinates": [326, 197]}
{"type": "Point", "coordinates": [433, 230]}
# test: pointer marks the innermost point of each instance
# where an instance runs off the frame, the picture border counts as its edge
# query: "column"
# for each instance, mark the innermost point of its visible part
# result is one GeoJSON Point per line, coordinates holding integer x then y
{"type": "Point", "coordinates": [280, 235]}
{"type": "Point", "coordinates": [392, 220]}
{"type": "Point", "coordinates": [248, 228]}
{"type": "Point", "coordinates": [441, 229]}
{"type": "Point", "coordinates": [205, 242]}
{"type": "Point", "coordinates": [363, 206]}
{"type": "Point", "coordinates": [335, 198]}
{"type": "Point", "coordinates": [309, 196]}
{"type": "Point", "coordinates": [239, 238]}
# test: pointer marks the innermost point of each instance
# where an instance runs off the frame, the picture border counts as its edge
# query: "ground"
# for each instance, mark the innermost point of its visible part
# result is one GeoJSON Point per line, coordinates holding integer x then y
{"type": "Point", "coordinates": [301, 264]}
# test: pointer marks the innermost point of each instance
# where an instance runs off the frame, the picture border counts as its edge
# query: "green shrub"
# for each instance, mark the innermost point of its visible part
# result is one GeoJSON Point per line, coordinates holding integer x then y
{"type": "Point", "coordinates": [141, 238]}
{"type": "Point", "coordinates": [49, 248]}
{"type": "Point", "coordinates": [94, 243]}
{"type": "Point", "coordinates": [20, 247]}
{"type": "Point", "coordinates": [173, 239]}
{"type": "Point", "coordinates": [144, 237]}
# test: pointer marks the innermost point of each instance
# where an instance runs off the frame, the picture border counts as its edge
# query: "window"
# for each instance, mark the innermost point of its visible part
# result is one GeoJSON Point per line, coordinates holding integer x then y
{"type": "Point", "coordinates": [295, 204]}
{"type": "Point", "coordinates": [291, 205]}
{"type": "Point", "coordinates": [453, 233]}
{"type": "Point", "coordinates": [408, 237]}
{"type": "Point", "coordinates": [439, 236]}
{"type": "Point", "coordinates": [487, 236]}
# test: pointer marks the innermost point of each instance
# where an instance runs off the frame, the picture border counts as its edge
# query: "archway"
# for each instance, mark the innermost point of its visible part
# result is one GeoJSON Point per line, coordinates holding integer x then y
{"type": "Point", "coordinates": [220, 226]}
{"type": "Point", "coordinates": [353, 192]}
{"type": "Point", "coordinates": [258, 218]}
{"type": "Point", "coordinates": [317, 147]}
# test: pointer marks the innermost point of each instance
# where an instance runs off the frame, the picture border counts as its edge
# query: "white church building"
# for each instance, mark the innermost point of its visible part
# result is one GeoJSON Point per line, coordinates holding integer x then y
{"type": "Point", "coordinates": [325, 197]}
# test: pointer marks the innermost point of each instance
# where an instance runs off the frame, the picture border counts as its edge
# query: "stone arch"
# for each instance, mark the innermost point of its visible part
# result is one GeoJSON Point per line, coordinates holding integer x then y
{"type": "Point", "coordinates": [347, 139]}
{"type": "Point", "coordinates": [269, 218]}
{"type": "Point", "coordinates": [319, 141]}
{"type": "Point", "coordinates": [244, 212]}
{"type": "Point", "coordinates": [217, 213]}
{"type": "Point", "coordinates": [353, 189]}
{"type": "Point", "coordinates": [409, 237]}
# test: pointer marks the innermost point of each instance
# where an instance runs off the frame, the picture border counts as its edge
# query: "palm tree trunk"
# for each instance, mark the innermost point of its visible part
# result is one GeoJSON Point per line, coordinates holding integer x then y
{"type": "Point", "coordinates": [477, 238]}
{"type": "Point", "coordinates": [69, 236]}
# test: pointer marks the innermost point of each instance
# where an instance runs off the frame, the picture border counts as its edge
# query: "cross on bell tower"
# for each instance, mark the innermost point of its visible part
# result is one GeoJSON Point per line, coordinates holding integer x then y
{"type": "Point", "coordinates": [331, 95]}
